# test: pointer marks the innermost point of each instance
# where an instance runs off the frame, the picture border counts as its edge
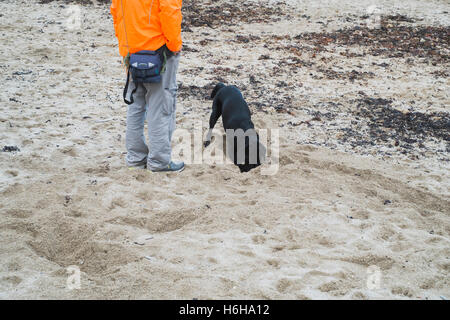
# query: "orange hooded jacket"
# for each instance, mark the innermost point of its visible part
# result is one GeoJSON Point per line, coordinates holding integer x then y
{"type": "Point", "coordinates": [136, 31]}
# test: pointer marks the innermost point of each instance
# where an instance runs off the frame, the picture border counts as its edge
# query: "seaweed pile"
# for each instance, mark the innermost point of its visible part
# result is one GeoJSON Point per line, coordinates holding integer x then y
{"type": "Point", "coordinates": [10, 149]}
{"type": "Point", "coordinates": [214, 14]}
{"type": "Point", "coordinates": [83, 2]}
{"type": "Point", "coordinates": [353, 75]}
{"type": "Point", "coordinates": [392, 39]}
{"type": "Point", "coordinates": [408, 127]}
{"type": "Point", "coordinates": [387, 126]}
{"type": "Point", "coordinates": [194, 92]}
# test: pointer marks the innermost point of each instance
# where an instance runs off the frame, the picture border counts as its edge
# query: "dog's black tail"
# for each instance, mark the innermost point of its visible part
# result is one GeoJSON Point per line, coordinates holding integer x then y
{"type": "Point", "coordinates": [216, 89]}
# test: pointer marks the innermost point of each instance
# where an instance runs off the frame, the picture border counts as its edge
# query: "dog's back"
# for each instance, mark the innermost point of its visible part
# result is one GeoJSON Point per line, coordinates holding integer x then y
{"type": "Point", "coordinates": [235, 111]}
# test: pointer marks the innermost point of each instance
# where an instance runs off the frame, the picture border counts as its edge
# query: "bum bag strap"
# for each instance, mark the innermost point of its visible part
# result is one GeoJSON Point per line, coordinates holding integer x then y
{"type": "Point", "coordinates": [125, 90]}
{"type": "Point", "coordinates": [163, 69]}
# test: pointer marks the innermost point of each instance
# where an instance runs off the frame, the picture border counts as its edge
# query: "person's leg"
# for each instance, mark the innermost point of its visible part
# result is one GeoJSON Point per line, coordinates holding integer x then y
{"type": "Point", "coordinates": [161, 98]}
{"type": "Point", "coordinates": [137, 150]}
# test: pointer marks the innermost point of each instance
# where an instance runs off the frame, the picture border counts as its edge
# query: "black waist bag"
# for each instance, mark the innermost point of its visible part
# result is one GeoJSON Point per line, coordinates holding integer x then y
{"type": "Point", "coordinates": [145, 67]}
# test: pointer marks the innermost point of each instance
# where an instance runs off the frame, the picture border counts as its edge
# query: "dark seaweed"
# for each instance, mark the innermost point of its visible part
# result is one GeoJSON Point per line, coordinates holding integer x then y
{"type": "Point", "coordinates": [393, 40]}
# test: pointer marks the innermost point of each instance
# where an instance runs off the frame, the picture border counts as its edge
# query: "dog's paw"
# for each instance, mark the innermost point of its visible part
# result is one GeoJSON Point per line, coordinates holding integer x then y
{"type": "Point", "coordinates": [207, 143]}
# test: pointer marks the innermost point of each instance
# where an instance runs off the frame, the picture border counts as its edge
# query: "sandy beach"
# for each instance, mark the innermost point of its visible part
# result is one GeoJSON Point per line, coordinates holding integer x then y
{"type": "Point", "coordinates": [359, 208]}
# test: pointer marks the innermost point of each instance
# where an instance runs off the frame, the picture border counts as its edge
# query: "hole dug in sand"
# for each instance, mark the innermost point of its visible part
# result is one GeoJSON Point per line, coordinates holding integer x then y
{"type": "Point", "coordinates": [65, 242]}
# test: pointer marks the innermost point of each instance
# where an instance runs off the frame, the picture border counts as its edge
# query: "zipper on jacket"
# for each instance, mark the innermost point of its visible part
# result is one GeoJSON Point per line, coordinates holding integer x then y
{"type": "Point", "coordinates": [150, 14]}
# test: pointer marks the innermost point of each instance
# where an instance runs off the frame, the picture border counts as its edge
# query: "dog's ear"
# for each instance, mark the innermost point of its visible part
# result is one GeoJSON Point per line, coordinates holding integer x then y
{"type": "Point", "coordinates": [216, 89]}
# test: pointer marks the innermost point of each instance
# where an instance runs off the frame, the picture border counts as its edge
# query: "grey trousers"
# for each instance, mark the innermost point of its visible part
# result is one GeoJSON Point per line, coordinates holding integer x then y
{"type": "Point", "coordinates": [157, 103]}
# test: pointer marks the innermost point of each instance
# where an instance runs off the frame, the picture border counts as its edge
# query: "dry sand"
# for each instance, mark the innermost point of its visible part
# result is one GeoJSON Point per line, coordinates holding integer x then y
{"type": "Point", "coordinates": [354, 189]}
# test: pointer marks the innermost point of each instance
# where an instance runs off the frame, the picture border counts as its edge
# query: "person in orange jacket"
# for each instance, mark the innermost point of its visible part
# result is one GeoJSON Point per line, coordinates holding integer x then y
{"type": "Point", "coordinates": [150, 25]}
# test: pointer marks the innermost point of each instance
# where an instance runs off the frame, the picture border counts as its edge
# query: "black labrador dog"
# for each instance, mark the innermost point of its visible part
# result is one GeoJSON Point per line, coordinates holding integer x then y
{"type": "Point", "coordinates": [229, 103]}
